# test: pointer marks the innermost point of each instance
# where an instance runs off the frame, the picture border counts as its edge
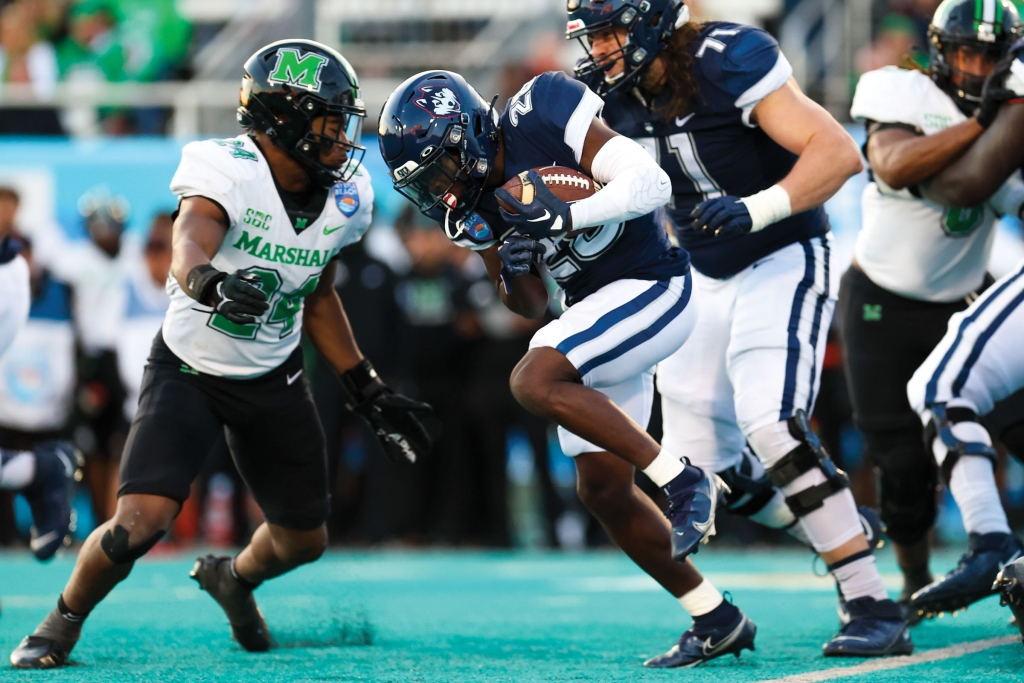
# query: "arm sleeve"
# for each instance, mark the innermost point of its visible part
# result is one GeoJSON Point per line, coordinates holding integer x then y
{"type": "Point", "coordinates": [566, 108]}
{"type": "Point", "coordinates": [634, 185]}
{"type": "Point", "coordinates": [204, 172]}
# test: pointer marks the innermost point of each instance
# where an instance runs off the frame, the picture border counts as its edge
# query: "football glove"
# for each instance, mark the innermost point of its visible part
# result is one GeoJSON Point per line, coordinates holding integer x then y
{"type": "Point", "coordinates": [995, 92]}
{"type": "Point", "coordinates": [517, 256]}
{"type": "Point", "coordinates": [393, 417]}
{"type": "Point", "coordinates": [237, 296]}
{"type": "Point", "coordinates": [545, 216]}
{"type": "Point", "coordinates": [725, 215]}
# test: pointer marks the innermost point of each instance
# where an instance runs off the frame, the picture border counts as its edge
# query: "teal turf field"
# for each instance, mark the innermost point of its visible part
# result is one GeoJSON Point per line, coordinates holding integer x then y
{"type": "Point", "coordinates": [476, 616]}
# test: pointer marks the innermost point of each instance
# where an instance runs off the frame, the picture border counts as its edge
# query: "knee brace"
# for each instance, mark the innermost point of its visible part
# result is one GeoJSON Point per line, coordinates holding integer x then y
{"type": "Point", "coordinates": [809, 455]}
{"type": "Point", "coordinates": [750, 487]}
{"type": "Point", "coordinates": [116, 545]}
{"type": "Point", "coordinates": [941, 427]}
{"type": "Point", "coordinates": [907, 478]}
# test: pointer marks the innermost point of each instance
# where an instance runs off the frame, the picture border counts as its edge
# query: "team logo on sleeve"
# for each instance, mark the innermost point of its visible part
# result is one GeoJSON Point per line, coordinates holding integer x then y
{"type": "Point", "coordinates": [477, 228]}
{"type": "Point", "coordinates": [346, 196]}
{"type": "Point", "coordinates": [441, 102]}
{"type": "Point", "coordinates": [300, 70]}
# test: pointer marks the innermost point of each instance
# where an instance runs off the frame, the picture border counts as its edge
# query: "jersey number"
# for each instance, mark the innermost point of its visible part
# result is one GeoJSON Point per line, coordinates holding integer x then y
{"type": "Point", "coordinates": [564, 263]}
{"type": "Point", "coordinates": [283, 309]}
{"type": "Point", "coordinates": [522, 105]}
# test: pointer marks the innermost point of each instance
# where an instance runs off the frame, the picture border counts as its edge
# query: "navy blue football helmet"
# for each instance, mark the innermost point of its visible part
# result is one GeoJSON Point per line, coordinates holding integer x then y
{"type": "Point", "coordinates": [439, 138]}
{"type": "Point", "coordinates": [649, 25]}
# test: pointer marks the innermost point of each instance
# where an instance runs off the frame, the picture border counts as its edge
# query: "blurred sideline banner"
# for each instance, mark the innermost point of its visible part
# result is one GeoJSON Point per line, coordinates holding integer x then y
{"type": "Point", "coordinates": [51, 175]}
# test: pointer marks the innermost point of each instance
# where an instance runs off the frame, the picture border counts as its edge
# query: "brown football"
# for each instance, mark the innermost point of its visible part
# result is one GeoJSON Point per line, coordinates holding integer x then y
{"type": "Point", "coordinates": [567, 184]}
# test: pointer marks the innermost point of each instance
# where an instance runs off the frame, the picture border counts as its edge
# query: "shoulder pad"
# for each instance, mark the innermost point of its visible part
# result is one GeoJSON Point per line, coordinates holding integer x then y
{"type": "Point", "coordinates": [736, 57]}
{"type": "Point", "coordinates": [894, 95]}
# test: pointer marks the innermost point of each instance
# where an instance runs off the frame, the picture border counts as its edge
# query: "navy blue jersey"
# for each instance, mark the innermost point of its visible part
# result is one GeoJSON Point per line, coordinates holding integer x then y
{"type": "Point", "coordinates": [715, 150]}
{"type": "Point", "coordinates": [545, 124]}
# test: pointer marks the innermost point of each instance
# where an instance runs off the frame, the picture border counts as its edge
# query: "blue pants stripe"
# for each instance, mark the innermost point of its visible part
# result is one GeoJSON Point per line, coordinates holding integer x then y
{"type": "Point", "coordinates": [979, 344]}
{"type": "Point", "coordinates": [932, 387]}
{"type": "Point", "coordinates": [816, 328]}
{"type": "Point", "coordinates": [614, 317]}
{"type": "Point", "coordinates": [639, 338]}
{"type": "Point", "coordinates": [793, 354]}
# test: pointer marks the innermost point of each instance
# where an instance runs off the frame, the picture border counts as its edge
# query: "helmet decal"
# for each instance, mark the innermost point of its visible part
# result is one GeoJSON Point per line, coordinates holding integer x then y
{"type": "Point", "coordinates": [302, 71]}
{"type": "Point", "coordinates": [441, 102]}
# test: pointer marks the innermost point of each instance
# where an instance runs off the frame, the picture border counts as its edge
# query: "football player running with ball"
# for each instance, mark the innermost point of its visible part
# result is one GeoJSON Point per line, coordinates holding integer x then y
{"type": "Point", "coordinates": [626, 288]}
{"type": "Point", "coordinates": [260, 223]}
{"type": "Point", "coordinates": [751, 160]}
{"type": "Point", "coordinates": [916, 263]}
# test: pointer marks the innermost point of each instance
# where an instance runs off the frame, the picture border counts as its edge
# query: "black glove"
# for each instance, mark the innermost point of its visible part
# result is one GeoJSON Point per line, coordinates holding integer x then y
{"type": "Point", "coordinates": [725, 215]}
{"type": "Point", "coordinates": [517, 255]}
{"type": "Point", "coordinates": [995, 92]}
{"type": "Point", "coordinates": [392, 416]}
{"type": "Point", "coordinates": [237, 296]}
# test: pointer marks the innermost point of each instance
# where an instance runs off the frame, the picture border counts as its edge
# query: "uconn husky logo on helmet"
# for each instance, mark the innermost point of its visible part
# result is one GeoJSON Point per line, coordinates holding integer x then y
{"type": "Point", "coordinates": [440, 102]}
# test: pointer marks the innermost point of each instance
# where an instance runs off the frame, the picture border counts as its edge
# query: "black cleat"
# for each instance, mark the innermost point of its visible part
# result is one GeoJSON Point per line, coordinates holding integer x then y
{"type": "Point", "coordinates": [49, 496]}
{"type": "Point", "coordinates": [693, 497]}
{"type": "Point", "coordinates": [973, 577]}
{"type": "Point", "coordinates": [1010, 584]}
{"type": "Point", "coordinates": [214, 575]}
{"type": "Point", "coordinates": [876, 629]}
{"type": "Point", "coordinates": [50, 645]}
{"type": "Point", "coordinates": [693, 648]}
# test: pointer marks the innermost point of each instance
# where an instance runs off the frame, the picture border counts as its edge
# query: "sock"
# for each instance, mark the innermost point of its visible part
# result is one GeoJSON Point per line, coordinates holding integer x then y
{"type": "Point", "coordinates": [245, 583]}
{"type": "Point", "coordinates": [664, 468]}
{"type": "Point", "coordinates": [858, 577]}
{"type": "Point", "coordinates": [973, 485]}
{"type": "Point", "coordinates": [67, 613]}
{"type": "Point", "coordinates": [17, 469]}
{"type": "Point", "coordinates": [701, 600]}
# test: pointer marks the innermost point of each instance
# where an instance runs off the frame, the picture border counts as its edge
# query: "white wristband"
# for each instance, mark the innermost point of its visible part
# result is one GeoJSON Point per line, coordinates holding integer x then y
{"type": "Point", "coordinates": [767, 207]}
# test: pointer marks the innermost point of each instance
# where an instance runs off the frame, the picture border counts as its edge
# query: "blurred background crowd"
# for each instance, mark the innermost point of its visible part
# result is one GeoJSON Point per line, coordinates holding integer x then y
{"type": "Point", "coordinates": [91, 201]}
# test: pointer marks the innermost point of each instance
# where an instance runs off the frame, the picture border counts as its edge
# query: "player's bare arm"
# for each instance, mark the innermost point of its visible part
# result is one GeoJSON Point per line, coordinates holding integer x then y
{"type": "Point", "coordinates": [325, 323]}
{"type": "Point", "coordinates": [901, 158]}
{"type": "Point", "coordinates": [983, 168]}
{"type": "Point", "coordinates": [828, 155]}
{"type": "Point", "coordinates": [198, 233]}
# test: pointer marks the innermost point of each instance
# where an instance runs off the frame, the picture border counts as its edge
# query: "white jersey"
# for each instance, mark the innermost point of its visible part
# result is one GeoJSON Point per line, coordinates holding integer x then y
{"type": "Point", "coordinates": [908, 245]}
{"type": "Point", "coordinates": [261, 237]}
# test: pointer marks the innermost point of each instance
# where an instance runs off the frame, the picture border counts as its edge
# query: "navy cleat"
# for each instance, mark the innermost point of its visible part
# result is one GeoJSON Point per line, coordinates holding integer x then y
{"type": "Point", "coordinates": [876, 629]}
{"type": "Point", "coordinates": [49, 496]}
{"type": "Point", "coordinates": [693, 497]}
{"type": "Point", "coordinates": [1010, 584]}
{"type": "Point", "coordinates": [973, 578]}
{"type": "Point", "coordinates": [696, 647]}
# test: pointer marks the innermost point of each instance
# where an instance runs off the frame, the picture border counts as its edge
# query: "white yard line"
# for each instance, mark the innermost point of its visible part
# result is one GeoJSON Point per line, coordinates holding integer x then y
{"type": "Point", "coordinates": [873, 665]}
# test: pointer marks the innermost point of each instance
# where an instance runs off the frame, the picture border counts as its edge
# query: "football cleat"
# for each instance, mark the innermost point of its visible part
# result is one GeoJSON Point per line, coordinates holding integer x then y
{"type": "Point", "coordinates": [50, 495]}
{"type": "Point", "coordinates": [693, 496]}
{"type": "Point", "coordinates": [694, 648]}
{"type": "Point", "coordinates": [875, 629]}
{"type": "Point", "coordinates": [973, 578]}
{"type": "Point", "coordinates": [248, 628]}
{"type": "Point", "coordinates": [50, 644]}
{"type": "Point", "coordinates": [1010, 584]}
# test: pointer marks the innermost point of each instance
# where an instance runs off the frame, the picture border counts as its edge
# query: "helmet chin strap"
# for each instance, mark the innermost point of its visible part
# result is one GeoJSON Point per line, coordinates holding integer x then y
{"type": "Point", "coordinates": [684, 16]}
{"type": "Point", "coordinates": [459, 225]}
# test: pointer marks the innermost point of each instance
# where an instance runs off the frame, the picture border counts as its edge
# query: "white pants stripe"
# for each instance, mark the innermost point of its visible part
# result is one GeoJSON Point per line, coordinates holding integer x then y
{"type": "Point", "coordinates": [616, 336]}
{"type": "Point", "coordinates": [980, 360]}
{"type": "Point", "coordinates": [755, 356]}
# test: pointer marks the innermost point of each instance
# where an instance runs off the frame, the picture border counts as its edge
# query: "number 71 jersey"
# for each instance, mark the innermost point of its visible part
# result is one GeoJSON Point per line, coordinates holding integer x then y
{"type": "Point", "coordinates": [289, 259]}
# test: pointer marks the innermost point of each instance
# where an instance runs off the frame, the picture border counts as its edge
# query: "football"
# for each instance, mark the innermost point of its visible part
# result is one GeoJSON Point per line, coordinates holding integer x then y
{"type": "Point", "coordinates": [567, 184]}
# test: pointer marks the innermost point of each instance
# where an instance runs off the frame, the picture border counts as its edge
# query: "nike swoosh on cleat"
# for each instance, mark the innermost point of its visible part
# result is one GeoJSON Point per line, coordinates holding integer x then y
{"type": "Point", "coordinates": [44, 540]}
{"type": "Point", "coordinates": [707, 648]}
{"type": "Point", "coordinates": [1002, 565]}
{"type": "Point", "coordinates": [547, 215]}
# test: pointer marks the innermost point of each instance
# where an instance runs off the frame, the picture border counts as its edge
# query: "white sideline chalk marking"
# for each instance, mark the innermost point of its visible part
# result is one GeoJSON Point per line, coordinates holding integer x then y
{"type": "Point", "coordinates": [938, 655]}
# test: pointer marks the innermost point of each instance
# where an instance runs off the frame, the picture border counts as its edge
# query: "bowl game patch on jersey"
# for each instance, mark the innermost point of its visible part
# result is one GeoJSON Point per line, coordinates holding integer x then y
{"type": "Point", "coordinates": [346, 196]}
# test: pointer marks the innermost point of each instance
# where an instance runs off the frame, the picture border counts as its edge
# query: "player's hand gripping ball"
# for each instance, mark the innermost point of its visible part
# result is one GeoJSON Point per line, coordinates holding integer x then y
{"type": "Point", "coordinates": [517, 256]}
{"type": "Point", "coordinates": [536, 202]}
{"type": "Point", "coordinates": [239, 298]}
{"type": "Point", "coordinates": [393, 417]}
{"type": "Point", "coordinates": [722, 216]}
